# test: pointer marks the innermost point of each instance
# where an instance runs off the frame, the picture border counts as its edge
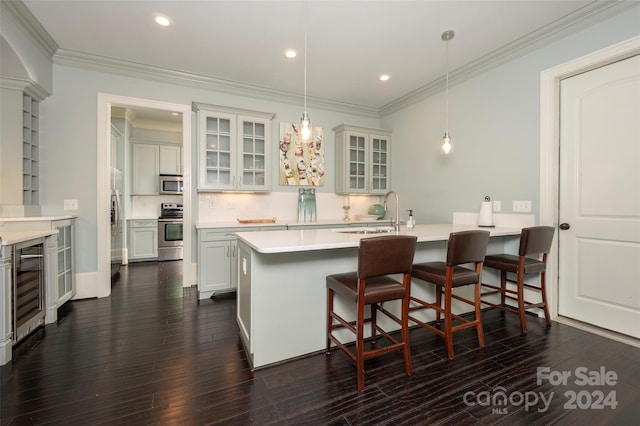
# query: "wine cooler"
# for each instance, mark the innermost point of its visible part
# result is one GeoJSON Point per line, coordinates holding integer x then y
{"type": "Point", "coordinates": [28, 287]}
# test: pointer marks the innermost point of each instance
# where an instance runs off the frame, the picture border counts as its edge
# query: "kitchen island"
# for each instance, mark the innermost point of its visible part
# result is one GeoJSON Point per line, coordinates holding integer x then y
{"type": "Point", "coordinates": [281, 283]}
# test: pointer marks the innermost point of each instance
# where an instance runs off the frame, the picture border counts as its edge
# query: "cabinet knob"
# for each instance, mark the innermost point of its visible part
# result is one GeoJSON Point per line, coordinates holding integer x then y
{"type": "Point", "coordinates": [564, 226]}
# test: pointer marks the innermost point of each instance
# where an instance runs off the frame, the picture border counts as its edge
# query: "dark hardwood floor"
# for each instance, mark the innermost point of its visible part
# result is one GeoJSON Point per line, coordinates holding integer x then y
{"type": "Point", "coordinates": [151, 354]}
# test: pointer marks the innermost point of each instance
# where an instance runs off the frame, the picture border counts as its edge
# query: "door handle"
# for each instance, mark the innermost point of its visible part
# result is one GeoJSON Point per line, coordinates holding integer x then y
{"type": "Point", "coordinates": [564, 226]}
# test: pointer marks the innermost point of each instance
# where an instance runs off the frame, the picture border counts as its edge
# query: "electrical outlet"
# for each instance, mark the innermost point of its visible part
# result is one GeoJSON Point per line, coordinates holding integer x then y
{"type": "Point", "coordinates": [497, 206]}
{"type": "Point", "coordinates": [522, 206]}
{"type": "Point", "coordinates": [71, 204]}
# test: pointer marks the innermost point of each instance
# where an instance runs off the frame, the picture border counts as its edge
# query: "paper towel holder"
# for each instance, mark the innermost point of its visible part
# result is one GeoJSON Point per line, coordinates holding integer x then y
{"type": "Point", "coordinates": [485, 217]}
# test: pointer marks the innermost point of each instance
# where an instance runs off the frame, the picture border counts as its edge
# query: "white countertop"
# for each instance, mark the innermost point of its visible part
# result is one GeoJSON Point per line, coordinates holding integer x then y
{"type": "Point", "coordinates": [37, 218]}
{"type": "Point", "coordinates": [323, 239]}
{"type": "Point", "coordinates": [285, 222]}
{"type": "Point", "coordinates": [15, 237]}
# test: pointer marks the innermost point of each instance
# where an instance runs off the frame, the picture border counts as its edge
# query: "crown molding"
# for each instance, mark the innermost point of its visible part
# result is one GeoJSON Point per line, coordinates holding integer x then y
{"type": "Point", "coordinates": [31, 24]}
{"type": "Point", "coordinates": [138, 70]}
{"type": "Point", "coordinates": [24, 85]}
{"type": "Point", "coordinates": [589, 14]}
{"type": "Point", "coordinates": [10, 83]}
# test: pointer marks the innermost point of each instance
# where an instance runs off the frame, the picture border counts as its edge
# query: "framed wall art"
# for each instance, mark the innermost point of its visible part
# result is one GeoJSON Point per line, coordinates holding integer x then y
{"type": "Point", "coordinates": [301, 163]}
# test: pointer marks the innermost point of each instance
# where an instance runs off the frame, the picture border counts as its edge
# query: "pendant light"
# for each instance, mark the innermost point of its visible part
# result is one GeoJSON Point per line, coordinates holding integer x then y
{"type": "Point", "coordinates": [305, 122]}
{"type": "Point", "coordinates": [446, 146]}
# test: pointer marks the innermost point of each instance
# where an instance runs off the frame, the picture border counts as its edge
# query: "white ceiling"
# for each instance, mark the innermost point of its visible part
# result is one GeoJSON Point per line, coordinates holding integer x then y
{"type": "Point", "coordinates": [350, 43]}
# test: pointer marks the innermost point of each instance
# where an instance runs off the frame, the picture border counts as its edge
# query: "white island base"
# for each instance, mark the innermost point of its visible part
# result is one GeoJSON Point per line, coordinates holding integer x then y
{"type": "Point", "coordinates": [282, 288]}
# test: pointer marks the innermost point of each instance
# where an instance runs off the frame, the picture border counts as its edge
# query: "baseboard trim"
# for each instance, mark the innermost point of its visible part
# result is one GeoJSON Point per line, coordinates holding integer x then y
{"type": "Point", "coordinates": [622, 338]}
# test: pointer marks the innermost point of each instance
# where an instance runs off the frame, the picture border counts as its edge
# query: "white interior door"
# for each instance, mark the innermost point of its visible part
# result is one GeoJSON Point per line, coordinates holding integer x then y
{"type": "Point", "coordinates": [599, 197]}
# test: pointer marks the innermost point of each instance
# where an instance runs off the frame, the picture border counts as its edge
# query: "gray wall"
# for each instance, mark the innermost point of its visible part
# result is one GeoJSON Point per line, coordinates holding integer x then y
{"type": "Point", "coordinates": [494, 119]}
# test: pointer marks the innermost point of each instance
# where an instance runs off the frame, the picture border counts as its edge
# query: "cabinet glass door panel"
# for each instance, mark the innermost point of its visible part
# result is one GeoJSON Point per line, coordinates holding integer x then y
{"type": "Point", "coordinates": [250, 178]}
{"type": "Point", "coordinates": [62, 286]}
{"type": "Point", "coordinates": [253, 154]}
{"type": "Point", "coordinates": [218, 150]}
{"type": "Point", "coordinates": [379, 164]}
{"type": "Point", "coordinates": [357, 162]}
{"type": "Point", "coordinates": [212, 160]}
{"type": "Point", "coordinates": [68, 282]}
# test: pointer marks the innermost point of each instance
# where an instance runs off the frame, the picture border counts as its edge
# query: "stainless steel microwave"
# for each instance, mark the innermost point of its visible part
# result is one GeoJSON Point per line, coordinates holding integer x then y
{"type": "Point", "coordinates": [171, 185]}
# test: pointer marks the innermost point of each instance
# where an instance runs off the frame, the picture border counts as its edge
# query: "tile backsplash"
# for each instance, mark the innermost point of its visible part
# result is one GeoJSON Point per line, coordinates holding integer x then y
{"type": "Point", "coordinates": [224, 207]}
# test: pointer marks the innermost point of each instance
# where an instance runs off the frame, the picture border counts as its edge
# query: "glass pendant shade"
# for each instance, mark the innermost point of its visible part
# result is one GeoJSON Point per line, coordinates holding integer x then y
{"type": "Point", "coordinates": [446, 147]}
{"type": "Point", "coordinates": [305, 127]}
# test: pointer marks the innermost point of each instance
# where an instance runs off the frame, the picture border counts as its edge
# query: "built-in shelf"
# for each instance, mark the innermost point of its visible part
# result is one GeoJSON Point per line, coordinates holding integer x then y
{"type": "Point", "coordinates": [30, 150]}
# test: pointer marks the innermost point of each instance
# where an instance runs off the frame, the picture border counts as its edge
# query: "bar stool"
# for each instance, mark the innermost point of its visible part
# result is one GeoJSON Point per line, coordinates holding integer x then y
{"type": "Point", "coordinates": [371, 285]}
{"type": "Point", "coordinates": [535, 244]}
{"type": "Point", "coordinates": [463, 247]}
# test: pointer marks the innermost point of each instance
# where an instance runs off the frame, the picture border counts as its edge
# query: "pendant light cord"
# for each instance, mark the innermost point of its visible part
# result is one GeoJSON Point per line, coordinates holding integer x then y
{"type": "Point", "coordinates": [306, 23]}
{"type": "Point", "coordinates": [447, 90]}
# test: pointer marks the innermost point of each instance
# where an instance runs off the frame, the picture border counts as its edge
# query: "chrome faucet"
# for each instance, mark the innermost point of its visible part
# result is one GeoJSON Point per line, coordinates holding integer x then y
{"type": "Point", "coordinates": [396, 223]}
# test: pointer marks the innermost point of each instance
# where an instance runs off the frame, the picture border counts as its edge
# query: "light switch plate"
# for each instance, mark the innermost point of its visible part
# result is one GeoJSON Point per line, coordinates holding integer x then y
{"type": "Point", "coordinates": [497, 206]}
{"type": "Point", "coordinates": [71, 204]}
{"type": "Point", "coordinates": [522, 206]}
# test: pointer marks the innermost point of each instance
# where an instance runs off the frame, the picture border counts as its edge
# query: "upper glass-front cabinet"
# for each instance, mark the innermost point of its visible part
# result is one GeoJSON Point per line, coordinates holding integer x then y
{"type": "Point", "coordinates": [362, 160]}
{"type": "Point", "coordinates": [216, 156]}
{"type": "Point", "coordinates": [254, 152]}
{"type": "Point", "coordinates": [233, 149]}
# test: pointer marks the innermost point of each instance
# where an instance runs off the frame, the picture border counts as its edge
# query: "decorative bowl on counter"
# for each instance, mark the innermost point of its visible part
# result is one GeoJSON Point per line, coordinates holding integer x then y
{"type": "Point", "coordinates": [377, 210]}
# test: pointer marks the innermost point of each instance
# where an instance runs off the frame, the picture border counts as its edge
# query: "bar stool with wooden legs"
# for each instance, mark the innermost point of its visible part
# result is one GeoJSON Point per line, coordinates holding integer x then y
{"type": "Point", "coordinates": [463, 247]}
{"type": "Point", "coordinates": [535, 244]}
{"type": "Point", "coordinates": [371, 285]}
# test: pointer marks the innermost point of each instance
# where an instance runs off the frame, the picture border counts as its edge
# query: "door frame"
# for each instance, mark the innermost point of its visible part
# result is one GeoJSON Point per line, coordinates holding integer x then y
{"type": "Point", "coordinates": [550, 141]}
{"type": "Point", "coordinates": [105, 102]}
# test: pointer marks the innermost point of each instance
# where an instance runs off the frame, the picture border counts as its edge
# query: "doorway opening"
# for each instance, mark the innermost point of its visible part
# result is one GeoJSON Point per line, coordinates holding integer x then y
{"type": "Point", "coordinates": [106, 104]}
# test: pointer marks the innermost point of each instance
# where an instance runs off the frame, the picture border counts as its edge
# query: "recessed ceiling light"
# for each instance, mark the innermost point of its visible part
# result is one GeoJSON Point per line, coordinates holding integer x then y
{"type": "Point", "coordinates": [290, 53]}
{"type": "Point", "coordinates": [384, 77]}
{"type": "Point", "coordinates": [162, 20]}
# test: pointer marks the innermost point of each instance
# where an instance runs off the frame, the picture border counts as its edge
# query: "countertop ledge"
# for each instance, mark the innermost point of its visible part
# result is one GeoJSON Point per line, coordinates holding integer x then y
{"type": "Point", "coordinates": [16, 237]}
{"type": "Point", "coordinates": [287, 222]}
{"type": "Point", "coordinates": [324, 239]}
{"type": "Point", "coordinates": [37, 218]}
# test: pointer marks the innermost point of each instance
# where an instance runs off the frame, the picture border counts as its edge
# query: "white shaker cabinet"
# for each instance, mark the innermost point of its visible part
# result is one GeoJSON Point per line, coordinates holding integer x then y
{"type": "Point", "coordinates": [145, 162]}
{"type": "Point", "coordinates": [170, 160]}
{"type": "Point", "coordinates": [363, 160]}
{"type": "Point", "coordinates": [218, 259]}
{"type": "Point", "coordinates": [234, 149]}
{"type": "Point", "coordinates": [143, 239]}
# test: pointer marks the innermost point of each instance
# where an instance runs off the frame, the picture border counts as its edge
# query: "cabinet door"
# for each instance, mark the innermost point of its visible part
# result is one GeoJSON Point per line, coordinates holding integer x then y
{"type": "Point", "coordinates": [234, 264]}
{"type": "Point", "coordinates": [170, 160]}
{"type": "Point", "coordinates": [143, 243]}
{"type": "Point", "coordinates": [216, 159]}
{"type": "Point", "coordinates": [145, 169]}
{"type": "Point", "coordinates": [379, 164]}
{"type": "Point", "coordinates": [253, 158]}
{"type": "Point", "coordinates": [357, 164]}
{"type": "Point", "coordinates": [66, 287]}
{"type": "Point", "coordinates": [214, 271]}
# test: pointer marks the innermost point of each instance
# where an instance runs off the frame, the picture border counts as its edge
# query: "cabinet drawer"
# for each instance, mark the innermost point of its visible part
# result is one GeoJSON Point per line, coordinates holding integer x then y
{"type": "Point", "coordinates": [143, 223]}
{"type": "Point", "coordinates": [216, 236]}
